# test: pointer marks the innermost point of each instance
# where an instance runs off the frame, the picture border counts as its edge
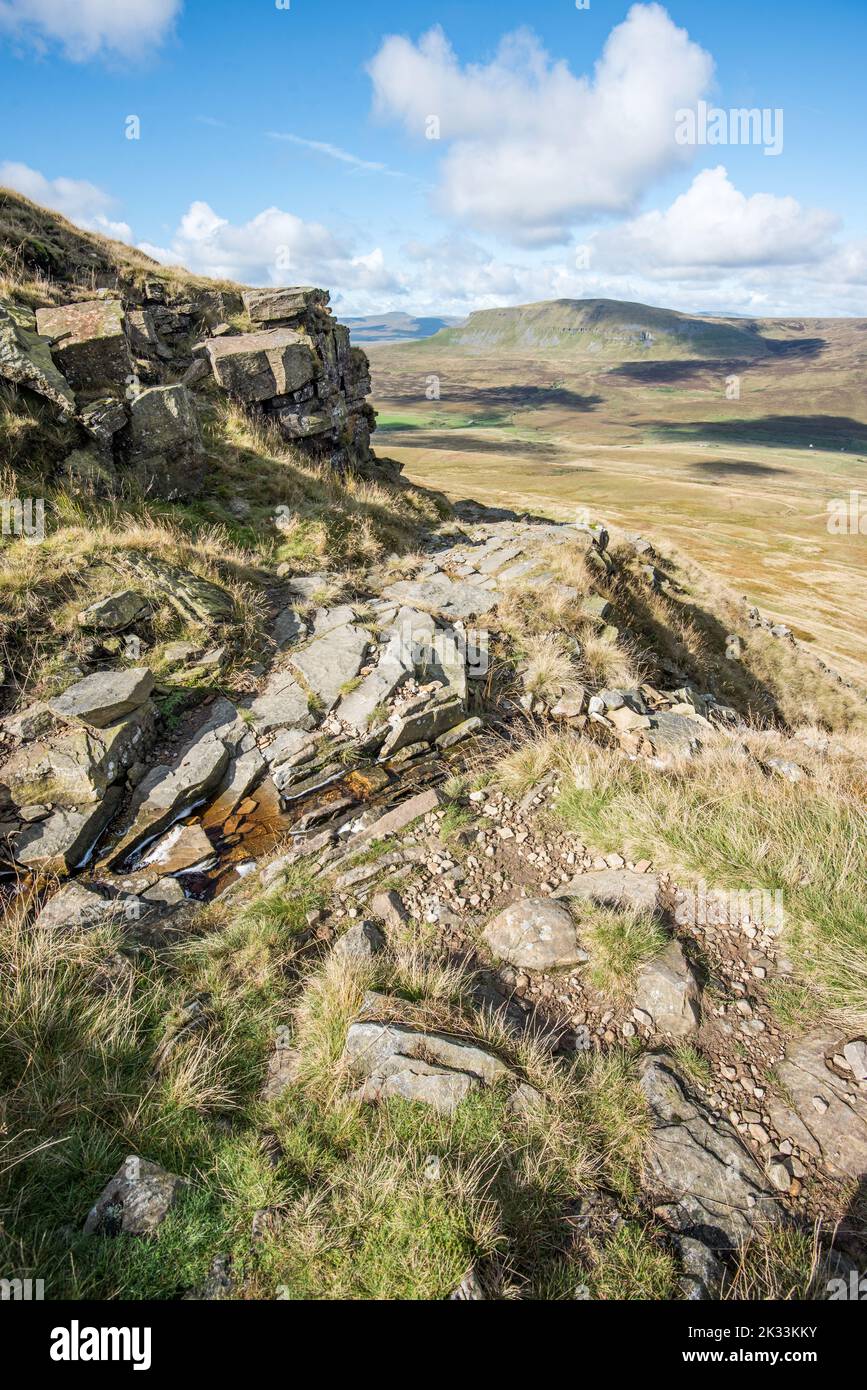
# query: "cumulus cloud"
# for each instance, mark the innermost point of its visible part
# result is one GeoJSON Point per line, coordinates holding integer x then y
{"type": "Point", "coordinates": [83, 203]}
{"type": "Point", "coordinates": [88, 28]}
{"type": "Point", "coordinates": [441, 280]}
{"type": "Point", "coordinates": [532, 148]}
{"type": "Point", "coordinates": [276, 248]}
{"type": "Point", "coordinates": [713, 225]}
{"type": "Point", "coordinates": [809, 272]}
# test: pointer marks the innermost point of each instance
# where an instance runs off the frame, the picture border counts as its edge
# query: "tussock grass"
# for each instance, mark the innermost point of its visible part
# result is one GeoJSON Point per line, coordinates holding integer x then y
{"type": "Point", "coordinates": [97, 1065]}
{"type": "Point", "coordinates": [607, 661]}
{"type": "Point", "coordinates": [44, 586]}
{"type": "Point", "coordinates": [489, 1186]}
{"type": "Point", "coordinates": [784, 1263]}
{"type": "Point", "coordinates": [531, 759]}
{"type": "Point", "coordinates": [719, 817]}
{"type": "Point", "coordinates": [455, 818]}
{"type": "Point", "coordinates": [633, 1266]}
{"type": "Point", "coordinates": [341, 521]}
{"type": "Point", "coordinates": [619, 943]}
{"type": "Point", "coordinates": [569, 565]}
{"type": "Point", "coordinates": [564, 648]}
{"type": "Point", "coordinates": [692, 1064]}
{"type": "Point", "coordinates": [550, 670]}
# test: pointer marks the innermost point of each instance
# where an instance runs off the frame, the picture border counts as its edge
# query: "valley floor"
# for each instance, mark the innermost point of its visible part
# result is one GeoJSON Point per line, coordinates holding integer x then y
{"type": "Point", "coordinates": [742, 486]}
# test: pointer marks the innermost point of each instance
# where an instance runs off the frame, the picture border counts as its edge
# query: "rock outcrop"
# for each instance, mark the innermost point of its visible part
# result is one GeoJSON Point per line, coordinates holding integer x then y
{"type": "Point", "coordinates": [821, 1104]}
{"type": "Point", "coordinates": [136, 1201]}
{"type": "Point", "coordinates": [298, 370]}
{"type": "Point", "coordinates": [535, 934]}
{"type": "Point", "coordinates": [103, 698]}
{"type": "Point", "coordinates": [437, 1069]}
{"type": "Point", "coordinates": [25, 358]}
{"type": "Point", "coordinates": [714, 1188]}
{"type": "Point", "coordinates": [88, 343]}
{"type": "Point", "coordinates": [669, 993]}
{"type": "Point", "coordinates": [126, 367]}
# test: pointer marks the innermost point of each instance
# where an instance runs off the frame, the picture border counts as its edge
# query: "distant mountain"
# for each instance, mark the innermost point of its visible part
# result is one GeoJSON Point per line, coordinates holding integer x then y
{"type": "Point", "coordinates": [396, 327]}
{"type": "Point", "coordinates": [603, 328]}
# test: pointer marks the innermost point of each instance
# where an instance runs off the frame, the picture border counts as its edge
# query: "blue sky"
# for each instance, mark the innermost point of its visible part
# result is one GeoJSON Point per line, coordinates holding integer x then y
{"type": "Point", "coordinates": [290, 145]}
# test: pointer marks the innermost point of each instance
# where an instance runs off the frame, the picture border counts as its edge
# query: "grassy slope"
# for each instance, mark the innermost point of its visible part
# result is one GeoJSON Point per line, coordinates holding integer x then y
{"type": "Point", "coordinates": [351, 1208]}
{"type": "Point", "coordinates": [721, 818]}
{"type": "Point", "coordinates": [42, 255]}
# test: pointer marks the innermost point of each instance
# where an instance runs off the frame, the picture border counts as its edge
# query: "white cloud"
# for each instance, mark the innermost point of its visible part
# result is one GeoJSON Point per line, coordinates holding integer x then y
{"type": "Point", "coordinates": [532, 149]}
{"type": "Point", "coordinates": [82, 202]}
{"type": "Point", "coordinates": [277, 248]}
{"type": "Point", "coordinates": [88, 28]}
{"type": "Point", "coordinates": [457, 273]}
{"type": "Point", "coordinates": [713, 225]}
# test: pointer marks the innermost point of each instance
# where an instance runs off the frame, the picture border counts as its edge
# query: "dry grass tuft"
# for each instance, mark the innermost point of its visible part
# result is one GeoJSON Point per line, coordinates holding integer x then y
{"type": "Point", "coordinates": [550, 670]}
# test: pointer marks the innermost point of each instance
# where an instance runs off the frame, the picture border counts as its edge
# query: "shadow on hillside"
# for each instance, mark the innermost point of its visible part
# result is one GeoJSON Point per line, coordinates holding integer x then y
{"type": "Point", "coordinates": [671, 373]}
{"type": "Point", "coordinates": [505, 397]}
{"type": "Point", "coordinates": [800, 348]}
{"type": "Point", "coordinates": [462, 440]}
{"type": "Point", "coordinates": [723, 468]}
{"type": "Point", "coordinates": [474, 513]}
{"type": "Point", "coordinates": [831, 432]}
{"type": "Point", "coordinates": [731, 681]}
{"type": "Point", "coordinates": [528, 397]}
{"type": "Point", "coordinates": [695, 368]}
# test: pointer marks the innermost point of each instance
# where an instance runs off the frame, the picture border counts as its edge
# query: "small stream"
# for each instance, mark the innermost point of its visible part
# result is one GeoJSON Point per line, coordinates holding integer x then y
{"type": "Point", "coordinates": [268, 820]}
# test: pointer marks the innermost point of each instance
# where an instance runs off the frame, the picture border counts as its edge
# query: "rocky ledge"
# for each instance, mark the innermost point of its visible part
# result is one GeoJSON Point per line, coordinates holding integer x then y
{"type": "Point", "coordinates": [126, 367]}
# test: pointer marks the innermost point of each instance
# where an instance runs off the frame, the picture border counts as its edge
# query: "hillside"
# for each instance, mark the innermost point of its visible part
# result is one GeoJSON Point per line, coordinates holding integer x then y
{"type": "Point", "coordinates": [601, 327]}
{"type": "Point", "coordinates": [383, 879]}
